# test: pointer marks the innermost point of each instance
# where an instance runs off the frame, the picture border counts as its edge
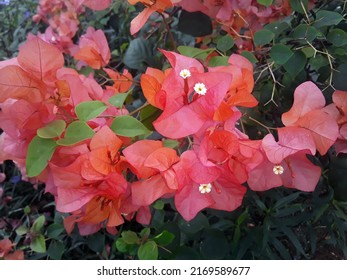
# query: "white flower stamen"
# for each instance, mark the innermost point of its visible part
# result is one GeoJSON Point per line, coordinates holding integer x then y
{"type": "Point", "coordinates": [185, 73]}
{"type": "Point", "coordinates": [205, 188]}
{"type": "Point", "coordinates": [278, 169]}
{"type": "Point", "coordinates": [200, 88]}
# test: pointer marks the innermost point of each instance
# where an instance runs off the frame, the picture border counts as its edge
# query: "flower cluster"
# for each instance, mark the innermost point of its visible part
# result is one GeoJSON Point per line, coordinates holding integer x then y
{"type": "Point", "coordinates": [62, 19]}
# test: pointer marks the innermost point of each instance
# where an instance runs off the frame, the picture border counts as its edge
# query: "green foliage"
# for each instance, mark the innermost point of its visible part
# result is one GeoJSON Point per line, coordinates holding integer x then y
{"type": "Point", "coordinates": [40, 151]}
{"type": "Point", "coordinates": [76, 132]}
{"type": "Point", "coordinates": [128, 126]}
{"type": "Point", "coordinates": [88, 110]}
{"type": "Point", "coordinates": [52, 130]}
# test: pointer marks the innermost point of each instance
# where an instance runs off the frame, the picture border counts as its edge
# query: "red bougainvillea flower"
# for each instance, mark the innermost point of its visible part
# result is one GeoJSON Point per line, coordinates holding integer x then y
{"type": "Point", "coordinates": [152, 163]}
{"type": "Point", "coordinates": [121, 81]}
{"type": "Point", "coordinates": [286, 163]}
{"type": "Point", "coordinates": [213, 189]}
{"type": "Point", "coordinates": [308, 112]}
{"type": "Point", "coordinates": [151, 7]}
{"type": "Point", "coordinates": [93, 49]}
{"type": "Point", "coordinates": [6, 248]}
{"type": "Point", "coordinates": [340, 112]}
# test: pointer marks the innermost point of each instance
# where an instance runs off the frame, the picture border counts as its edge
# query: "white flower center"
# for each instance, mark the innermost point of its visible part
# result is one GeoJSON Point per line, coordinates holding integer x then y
{"type": "Point", "coordinates": [185, 73]}
{"type": "Point", "coordinates": [278, 169]}
{"type": "Point", "coordinates": [205, 188]}
{"type": "Point", "coordinates": [200, 88]}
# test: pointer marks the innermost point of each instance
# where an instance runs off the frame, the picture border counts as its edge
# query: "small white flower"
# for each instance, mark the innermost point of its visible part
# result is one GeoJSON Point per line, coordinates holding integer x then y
{"type": "Point", "coordinates": [185, 73]}
{"type": "Point", "coordinates": [205, 188]}
{"type": "Point", "coordinates": [200, 88]}
{"type": "Point", "coordinates": [278, 169]}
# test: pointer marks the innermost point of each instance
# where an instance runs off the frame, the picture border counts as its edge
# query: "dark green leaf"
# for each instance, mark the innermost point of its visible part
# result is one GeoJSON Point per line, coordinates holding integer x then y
{"type": "Point", "coordinates": [225, 43]}
{"type": "Point", "coordinates": [337, 37]}
{"type": "Point", "coordinates": [148, 115]}
{"type": "Point", "coordinates": [96, 242]}
{"type": "Point", "coordinates": [305, 32]}
{"type": "Point", "coordinates": [296, 63]}
{"type": "Point", "coordinates": [76, 132]}
{"type": "Point", "coordinates": [198, 223]}
{"type": "Point", "coordinates": [250, 56]}
{"type": "Point", "coordinates": [139, 54]}
{"type": "Point", "coordinates": [281, 53]}
{"type": "Point", "coordinates": [339, 77]}
{"type": "Point", "coordinates": [145, 232]}
{"type": "Point", "coordinates": [130, 237]}
{"type": "Point", "coordinates": [148, 251]}
{"type": "Point", "coordinates": [263, 37]}
{"type": "Point", "coordinates": [159, 205]}
{"type": "Point", "coordinates": [118, 99]}
{"type": "Point", "coordinates": [40, 151]}
{"type": "Point", "coordinates": [55, 250]}
{"type": "Point", "coordinates": [54, 230]}
{"type": "Point", "coordinates": [52, 130]}
{"type": "Point", "coordinates": [38, 244]}
{"type": "Point", "coordinates": [196, 24]}
{"type": "Point", "coordinates": [327, 18]}
{"type": "Point", "coordinates": [128, 126]}
{"type": "Point", "coordinates": [164, 238]}
{"type": "Point", "coordinates": [214, 245]}
{"type": "Point", "coordinates": [298, 5]}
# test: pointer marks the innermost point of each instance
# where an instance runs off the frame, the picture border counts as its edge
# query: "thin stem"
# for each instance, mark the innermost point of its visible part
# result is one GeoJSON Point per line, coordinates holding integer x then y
{"type": "Point", "coordinates": [268, 128]}
{"type": "Point", "coordinates": [169, 32]}
{"type": "Point", "coordinates": [138, 109]}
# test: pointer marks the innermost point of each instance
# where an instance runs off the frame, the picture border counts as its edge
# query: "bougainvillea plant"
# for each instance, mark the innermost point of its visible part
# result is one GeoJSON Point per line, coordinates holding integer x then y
{"type": "Point", "coordinates": [104, 165]}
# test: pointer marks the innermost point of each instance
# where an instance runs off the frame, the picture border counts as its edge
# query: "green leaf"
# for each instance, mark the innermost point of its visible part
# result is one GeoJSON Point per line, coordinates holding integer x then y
{"type": "Point", "coordinates": [297, 5]}
{"type": "Point", "coordinates": [159, 205]}
{"type": "Point", "coordinates": [265, 2]}
{"type": "Point", "coordinates": [339, 77]}
{"type": "Point", "coordinates": [305, 32]}
{"type": "Point", "coordinates": [96, 242]}
{"type": "Point", "coordinates": [121, 245]}
{"type": "Point", "coordinates": [55, 250]}
{"type": "Point", "coordinates": [130, 237]}
{"type": "Point", "coordinates": [145, 232]}
{"type": "Point", "coordinates": [164, 238]}
{"type": "Point", "coordinates": [88, 110]}
{"type": "Point", "coordinates": [148, 251]}
{"type": "Point", "coordinates": [225, 43]}
{"type": "Point", "coordinates": [148, 115]}
{"type": "Point", "coordinates": [327, 18]}
{"type": "Point", "coordinates": [263, 37]}
{"type": "Point", "coordinates": [250, 56]}
{"type": "Point", "coordinates": [139, 54]}
{"type": "Point", "coordinates": [218, 61]}
{"type": "Point", "coordinates": [40, 151]}
{"type": "Point", "coordinates": [77, 131]}
{"type": "Point", "coordinates": [128, 126]}
{"type": "Point", "coordinates": [214, 245]}
{"type": "Point", "coordinates": [54, 230]}
{"type": "Point", "coordinates": [22, 230]}
{"type": "Point", "coordinates": [198, 223]}
{"type": "Point", "coordinates": [196, 24]}
{"type": "Point", "coordinates": [38, 224]}
{"type": "Point", "coordinates": [171, 143]}
{"type": "Point", "coordinates": [337, 37]}
{"type": "Point", "coordinates": [38, 244]}
{"type": "Point", "coordinates": [281, 53]}
{"type": "Point", "coordinates": [52, 130]}
{"type": "Point", "coordinates": [118, 99]}
{"type": "Point", "coordinates": [195, 52]}
{"type": "Point", "coordinates": [296, 63]}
